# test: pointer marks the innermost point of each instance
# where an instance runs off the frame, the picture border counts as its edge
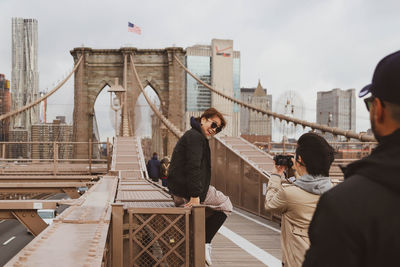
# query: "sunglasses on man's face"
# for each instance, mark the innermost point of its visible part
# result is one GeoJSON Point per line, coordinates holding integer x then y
{"type": "Point", "coordinates": [215, 126]}
{"type": "Point", "coordinates": [369, 100]}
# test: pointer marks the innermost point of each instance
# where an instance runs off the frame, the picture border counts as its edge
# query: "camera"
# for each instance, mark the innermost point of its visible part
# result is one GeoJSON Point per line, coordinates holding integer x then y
{"type": "Point", "coordinates": [284, 160]}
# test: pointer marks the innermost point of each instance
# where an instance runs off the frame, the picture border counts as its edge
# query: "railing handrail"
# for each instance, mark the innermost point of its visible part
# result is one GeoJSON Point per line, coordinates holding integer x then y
{"type": "Point", "coordinates": [51, 142]}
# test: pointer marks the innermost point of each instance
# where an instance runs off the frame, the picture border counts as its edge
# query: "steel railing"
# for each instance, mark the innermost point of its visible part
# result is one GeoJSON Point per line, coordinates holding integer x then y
{"type": "Point", "coordinates": [55, 155]}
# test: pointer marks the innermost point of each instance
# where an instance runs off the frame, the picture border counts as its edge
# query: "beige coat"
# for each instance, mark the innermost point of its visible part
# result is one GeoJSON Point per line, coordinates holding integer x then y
{"type": "Point", "coordinates": [297, 208]}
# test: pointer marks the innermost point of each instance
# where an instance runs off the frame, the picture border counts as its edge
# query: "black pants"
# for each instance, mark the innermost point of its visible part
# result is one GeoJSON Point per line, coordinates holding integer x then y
{"type": "Point", "coordinates": [213, 223]}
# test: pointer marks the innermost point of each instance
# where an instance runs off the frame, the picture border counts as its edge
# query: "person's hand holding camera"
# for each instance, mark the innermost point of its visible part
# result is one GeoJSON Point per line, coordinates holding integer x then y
{"type": "Point", "coordinates": [279, 169]}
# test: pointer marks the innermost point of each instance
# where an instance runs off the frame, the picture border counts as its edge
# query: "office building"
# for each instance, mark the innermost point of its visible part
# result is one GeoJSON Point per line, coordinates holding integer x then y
{"type": "Point", "coordinates": [24, 74]}
{"type": "Point", "coordinates": [219, 66]}
{"type": "Point", "coordinates": [54, 132]}
{"type": "Point", "coordinates": [254, 124]}
{"type": "Point", "coordinates": [5, 104]}
{"type": "Point", "coordinates": [337, 108]}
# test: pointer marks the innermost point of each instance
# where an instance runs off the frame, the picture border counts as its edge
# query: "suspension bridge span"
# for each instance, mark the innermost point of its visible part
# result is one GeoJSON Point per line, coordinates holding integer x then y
{"type": "Point", "coordinates": [125, 219]}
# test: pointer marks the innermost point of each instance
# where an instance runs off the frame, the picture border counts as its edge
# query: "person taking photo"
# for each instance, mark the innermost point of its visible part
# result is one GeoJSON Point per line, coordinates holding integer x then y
{"type": "Point", "coordinates": [296, 198]}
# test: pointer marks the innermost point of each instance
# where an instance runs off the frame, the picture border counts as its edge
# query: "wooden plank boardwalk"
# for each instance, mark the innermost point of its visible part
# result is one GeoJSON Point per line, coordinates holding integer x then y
{"type": "Point", "coordinates": [265, 242]}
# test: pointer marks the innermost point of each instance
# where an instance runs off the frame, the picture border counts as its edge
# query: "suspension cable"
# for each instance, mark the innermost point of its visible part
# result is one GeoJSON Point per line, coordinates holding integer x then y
{"type": "Point", "coordinates": [335, 131]}
{"type": "Point", "coordinates": [37, 101]}
{"type": "Point", "coordinates": [175, 131]}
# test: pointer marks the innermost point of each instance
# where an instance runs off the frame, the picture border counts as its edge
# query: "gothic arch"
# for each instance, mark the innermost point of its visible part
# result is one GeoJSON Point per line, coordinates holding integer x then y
{"type": "Point", "coordinates": [101, 66]}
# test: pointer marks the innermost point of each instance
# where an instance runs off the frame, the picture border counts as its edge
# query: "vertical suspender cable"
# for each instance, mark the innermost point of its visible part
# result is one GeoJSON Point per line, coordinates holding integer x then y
{"type": "Point", "coordinates": [166, 122]}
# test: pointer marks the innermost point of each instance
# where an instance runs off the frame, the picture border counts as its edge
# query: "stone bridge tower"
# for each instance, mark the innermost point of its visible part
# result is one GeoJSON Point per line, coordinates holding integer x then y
{"type": "Point", "coordinates": [100, 67]}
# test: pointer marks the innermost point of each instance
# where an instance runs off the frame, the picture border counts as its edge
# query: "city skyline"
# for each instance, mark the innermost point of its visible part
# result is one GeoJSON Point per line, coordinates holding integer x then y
{"type": "Point", "coordinates": [289, 46]}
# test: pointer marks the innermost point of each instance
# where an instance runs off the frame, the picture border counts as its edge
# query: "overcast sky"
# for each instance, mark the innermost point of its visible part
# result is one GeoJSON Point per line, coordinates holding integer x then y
{"type": "Point", "coordinates": [306, 46]}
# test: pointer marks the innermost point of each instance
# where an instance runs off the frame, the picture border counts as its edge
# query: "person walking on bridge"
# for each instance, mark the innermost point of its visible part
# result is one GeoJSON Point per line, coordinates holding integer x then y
{"type": "Point", "coordinates": [164, 170]}
{"type": "Point", "coordinates": [357, 223]}
{"type": "Point", "coordinates": [189, 173]}
{"type": "Point", "coordinates": [153, 167]}
{"type": "Point", "coordinates": [296, 198]}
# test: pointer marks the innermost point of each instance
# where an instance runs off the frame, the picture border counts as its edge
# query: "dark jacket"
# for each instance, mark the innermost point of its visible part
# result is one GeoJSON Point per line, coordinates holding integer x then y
{"type": "Point", "coordinates": [153, 167]}
{"type": "Point", "coordinates": [357, 223]}
{"type": "Point", "coordinates": [189, 173]}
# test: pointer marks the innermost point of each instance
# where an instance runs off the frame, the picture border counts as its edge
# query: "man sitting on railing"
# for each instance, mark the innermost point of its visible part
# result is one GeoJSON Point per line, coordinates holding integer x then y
{"type": "Point", "coordinates": [189, 174]}
{"type": "Point", "coordinates": [357, 223]}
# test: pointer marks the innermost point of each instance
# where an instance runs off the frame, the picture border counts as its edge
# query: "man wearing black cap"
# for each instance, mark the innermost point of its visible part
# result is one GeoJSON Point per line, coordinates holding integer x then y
{"type": "Point", "coordinates": [357, 223]}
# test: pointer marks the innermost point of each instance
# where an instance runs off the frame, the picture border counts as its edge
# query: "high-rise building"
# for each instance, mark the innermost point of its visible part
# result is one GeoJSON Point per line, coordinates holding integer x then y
{"type": "Point", "coordinates": [5, 104]}
{"type": "Point", "coordinates": [24, 75]}
{"type": "Point", "coordinates": [337, 108]}
{"type": "Point", "coordinates": [43, 134]}
{"type": "Point", "coordinates": [219, 66]}
{"type": "Point", "coordinates": [198, 61]}
{"type": "Point", "coordinates": [253, 123]}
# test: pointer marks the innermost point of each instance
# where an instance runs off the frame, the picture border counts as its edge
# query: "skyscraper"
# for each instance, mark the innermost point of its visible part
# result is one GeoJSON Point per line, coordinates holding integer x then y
{"type": "Point", "coordinates": [337, 108]}
{"type": "Point", "coordinates": [24, 75]}
{"type": "Point", "coordinates": [218, 65]}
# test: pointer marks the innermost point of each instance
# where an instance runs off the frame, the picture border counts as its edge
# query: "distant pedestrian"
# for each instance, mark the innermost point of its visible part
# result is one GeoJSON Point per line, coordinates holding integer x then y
{"type": "Point", "coordinates": [153, 168]}
{"type": "Point", "coordinates": [164, 170]}
{"type": "Point", "coordinates": [296, 198]}
{"type": "Point", "coordinates": [189, 174]}
{"type": "Point", "coordinates": [357, 223]}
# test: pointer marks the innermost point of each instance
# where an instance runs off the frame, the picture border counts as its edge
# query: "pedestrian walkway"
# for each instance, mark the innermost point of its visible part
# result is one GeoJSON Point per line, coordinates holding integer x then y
{"type": "Point", "coordinates": [247, 240]}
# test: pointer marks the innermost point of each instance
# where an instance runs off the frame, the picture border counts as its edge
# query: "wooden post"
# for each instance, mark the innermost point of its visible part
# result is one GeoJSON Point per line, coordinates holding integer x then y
{"type": "Point", "coordinates": [199, 235]}
{"type": "Point", "coordinates": [90, 155]}
{"type": "Point", "coordinates": [55, 157]}
{"type": "Point", "coordinates": [117, 220]}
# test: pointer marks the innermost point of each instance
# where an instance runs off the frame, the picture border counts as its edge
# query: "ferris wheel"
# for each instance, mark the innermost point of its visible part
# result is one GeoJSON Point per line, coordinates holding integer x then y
{"type": "Point", "coordinates": [290, 104]}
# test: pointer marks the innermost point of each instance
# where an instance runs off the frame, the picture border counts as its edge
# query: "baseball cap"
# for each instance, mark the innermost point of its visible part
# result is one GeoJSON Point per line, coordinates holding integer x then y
{"type": "Point", "coordinates": [386, 80]}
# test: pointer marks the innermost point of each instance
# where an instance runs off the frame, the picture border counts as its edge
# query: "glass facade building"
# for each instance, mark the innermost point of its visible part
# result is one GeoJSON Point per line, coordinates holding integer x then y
{"type": "Point", "coordinates": [198, 97]}
{"type": "Point", "coordinates": [218, 65]}
{"type": "Point", "coordinates": [236, 82]}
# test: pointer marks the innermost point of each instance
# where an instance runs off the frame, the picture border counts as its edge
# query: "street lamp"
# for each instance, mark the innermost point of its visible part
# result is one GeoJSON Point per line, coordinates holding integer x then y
{"type": "Point", "coordinates": [116, 105]}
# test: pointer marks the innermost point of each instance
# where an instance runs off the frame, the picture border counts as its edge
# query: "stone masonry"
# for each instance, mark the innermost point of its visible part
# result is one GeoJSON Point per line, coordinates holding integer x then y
{"type": "Point", "coordinates": [99, 68]}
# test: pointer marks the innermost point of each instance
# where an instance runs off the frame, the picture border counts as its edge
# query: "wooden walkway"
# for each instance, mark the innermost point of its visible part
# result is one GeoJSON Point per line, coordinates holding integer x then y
{"type": "Point", "coordinates": [266, 247]}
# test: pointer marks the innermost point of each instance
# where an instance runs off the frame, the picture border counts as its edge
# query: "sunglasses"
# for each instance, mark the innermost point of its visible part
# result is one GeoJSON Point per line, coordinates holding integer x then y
{"type": "Point", "coordinates": [215, 126]}
{"type": "Point", "coordinates": [368, 102]}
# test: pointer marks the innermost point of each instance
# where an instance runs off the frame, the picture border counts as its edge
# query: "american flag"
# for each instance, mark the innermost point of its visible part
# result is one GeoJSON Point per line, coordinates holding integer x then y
{"type": "Point", "coordinates": [134, 28]}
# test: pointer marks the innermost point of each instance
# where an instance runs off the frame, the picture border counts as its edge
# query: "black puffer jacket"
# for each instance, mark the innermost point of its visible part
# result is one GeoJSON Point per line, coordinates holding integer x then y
{"type": "Point", "coordinates": [189, 173]}
{"type": "Point", "coordinates": [357, 223]}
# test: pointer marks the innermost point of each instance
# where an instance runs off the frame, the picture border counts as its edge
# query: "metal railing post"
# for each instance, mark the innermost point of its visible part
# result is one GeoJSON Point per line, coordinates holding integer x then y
{"type": "Point", "coordinates": [55, 157]}
{"type": "Point", "coordinates": [199, 237]}
{"type": "Point", "coordinates": [117, 220]}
